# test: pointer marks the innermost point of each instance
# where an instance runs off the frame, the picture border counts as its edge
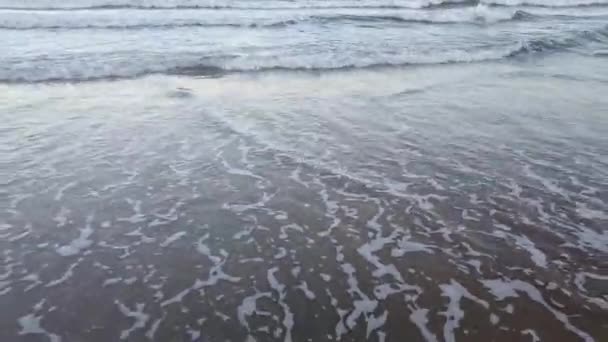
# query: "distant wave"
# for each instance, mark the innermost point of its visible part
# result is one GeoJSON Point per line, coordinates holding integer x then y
{"type": "Point", "coordinates": [84, 26]}
{"type": "Point", "coordinates": [236, 8]}
{"type": "Point", "coordinates": [287, 5]}
{"type": "Point", "coordinates": [546, 3]}
{"type": "Point", "coordinates": [449, 58]}
{"type": "Point", "coordinates": [564, 43]}
{"type": "Point", "coordinates": [475, 15]}
{"type": "Point", "coordinates": [479, 14]}
{"type": "Point", "coordinates": [189, 5]}
{"type": "Point", "coordinates": [221, 65]}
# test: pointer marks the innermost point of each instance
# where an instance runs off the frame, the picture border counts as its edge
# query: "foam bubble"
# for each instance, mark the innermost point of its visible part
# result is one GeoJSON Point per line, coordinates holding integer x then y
{"type": "Point", "coordinates": [502, 289]}
{"type": "Point", "coordinates": [138, 314]}
{"type": "Point", "coordinates": [419, 318]}
{"type": "Point", "coordinates": [455, 292]}
{"type": "Point", "coordinates": [169, 240]}
{"type": "Point", "coordinates": [80, 243]}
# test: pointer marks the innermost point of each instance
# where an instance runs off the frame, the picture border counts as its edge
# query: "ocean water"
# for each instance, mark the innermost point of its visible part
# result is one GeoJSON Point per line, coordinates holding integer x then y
{"type": "Point", "coordinates": [269, 170]}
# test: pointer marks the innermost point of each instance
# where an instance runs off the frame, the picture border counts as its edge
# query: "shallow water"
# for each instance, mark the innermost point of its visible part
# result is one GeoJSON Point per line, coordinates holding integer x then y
{"type": "Point", "coordinates": [167, 176]}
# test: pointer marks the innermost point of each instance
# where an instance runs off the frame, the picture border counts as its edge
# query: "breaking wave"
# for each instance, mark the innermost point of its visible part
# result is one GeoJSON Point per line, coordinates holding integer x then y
{"type": "Point", "coordinates": [546, 3]}
{"type": "Point", "coordinates": [238, 5]}
{"type": "Point", "coordinates": [115, 20]}
{"type": "Point", "coordinates": [225, 64]}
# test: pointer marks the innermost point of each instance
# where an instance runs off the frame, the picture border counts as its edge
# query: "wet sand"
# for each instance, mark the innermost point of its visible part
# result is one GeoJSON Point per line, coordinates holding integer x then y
{"type": "Point", "coordinates": [299, 207]}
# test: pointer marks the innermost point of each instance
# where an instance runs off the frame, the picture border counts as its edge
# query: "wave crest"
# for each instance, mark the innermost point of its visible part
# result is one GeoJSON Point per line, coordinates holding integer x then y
{"type": "Point", "coordinates": [221, 65]}
{"type": "Point", "coordinates": [228, 5]}
{"type": "Point", "coordinates": [119, 20]}
{"type": "Point", "coordinates": [546, 3]}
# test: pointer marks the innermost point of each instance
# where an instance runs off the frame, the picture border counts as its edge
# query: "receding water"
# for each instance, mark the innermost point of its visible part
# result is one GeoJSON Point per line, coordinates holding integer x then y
{"type": "Point", "coordinates": [303, 170]}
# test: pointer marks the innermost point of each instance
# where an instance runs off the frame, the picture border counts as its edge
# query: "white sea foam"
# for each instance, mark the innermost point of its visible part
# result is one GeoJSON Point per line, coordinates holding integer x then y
{"type": "Point", "coordinates": [20, 236]}
{"type": "Point", "coordinates": [141, 318]}
{"type": "Point", "coordinates": [538, 257]}
{"type": "Point", "coordinates": [383, 291]}
{"type": "Point", "coordinates": [30, 324]}
{"type": "Point", "coordinates": [589, 238]}
{"type": "Point", "coordinates": [154, 327]}
{"type": "Point", "coordinates": [532, 333]}
{"type": "Point", "coordinates": [547, 3]}
{"type": "Point", "coordinates": [406, 245]}
{"type": "Point", "coordinates": [376, 322]}
{"type": "Point", "coordinates": [580, 280]}
{"type": "Point", "coordinates": [420, 319]}
{"type": "Point", "coordinates": [137, 216]}
{"type": "Point", "coordinates": [62, 217]}
{"type": "Point", "coordinates": [216, 273]}
{"type": "Point", "coordinates": [455, 292]}
{"type": "Point", "coordinates": [80, 243]}
{"type": "Point", "coordinates": [288, 318]}
{"type": "Point", "coordinates": [34, 278]}
{"type": "Point", "coordinates": [248, 307]}
{"type": "Point", "coordinates": [63, 189]}
{"type": "Point", "coordinates": [66, 275]}
{"type": "Point", "coordinates": [507, 288]}
{"type": "Point", "coordinates": [176, 236]}
{"type": "Point", "coordinates": [325, 277]}
{"type": "Point", "coordinates": [111, 281]}
{"type": "Point", "coordinates": [307, 292]}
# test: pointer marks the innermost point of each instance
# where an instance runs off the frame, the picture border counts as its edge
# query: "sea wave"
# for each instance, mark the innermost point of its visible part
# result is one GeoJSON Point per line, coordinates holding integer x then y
{"type": "Point", "coordinates": [73, 5]}
{"type": "Point", "coordinates": [131, 26]}
{"type": "Point", "coordinates": [238, 5]}
{"type": "Point", "coordinates": [574, 40]}
{"type": "Point", "coordinates": [226, 64]}
{"type": "Point", "coordinates": [478, 14]}
{"type": "Point", "coordinates": [546, 3]}
{"type": "Point", "coordinates": [121, 20]}
{"type": "Point", "coordinates": [126, 20]}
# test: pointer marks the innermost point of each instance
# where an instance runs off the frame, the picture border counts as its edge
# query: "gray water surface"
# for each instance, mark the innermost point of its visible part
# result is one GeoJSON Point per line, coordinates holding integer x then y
{"type": "Point", "coordinates": [303, 171]}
